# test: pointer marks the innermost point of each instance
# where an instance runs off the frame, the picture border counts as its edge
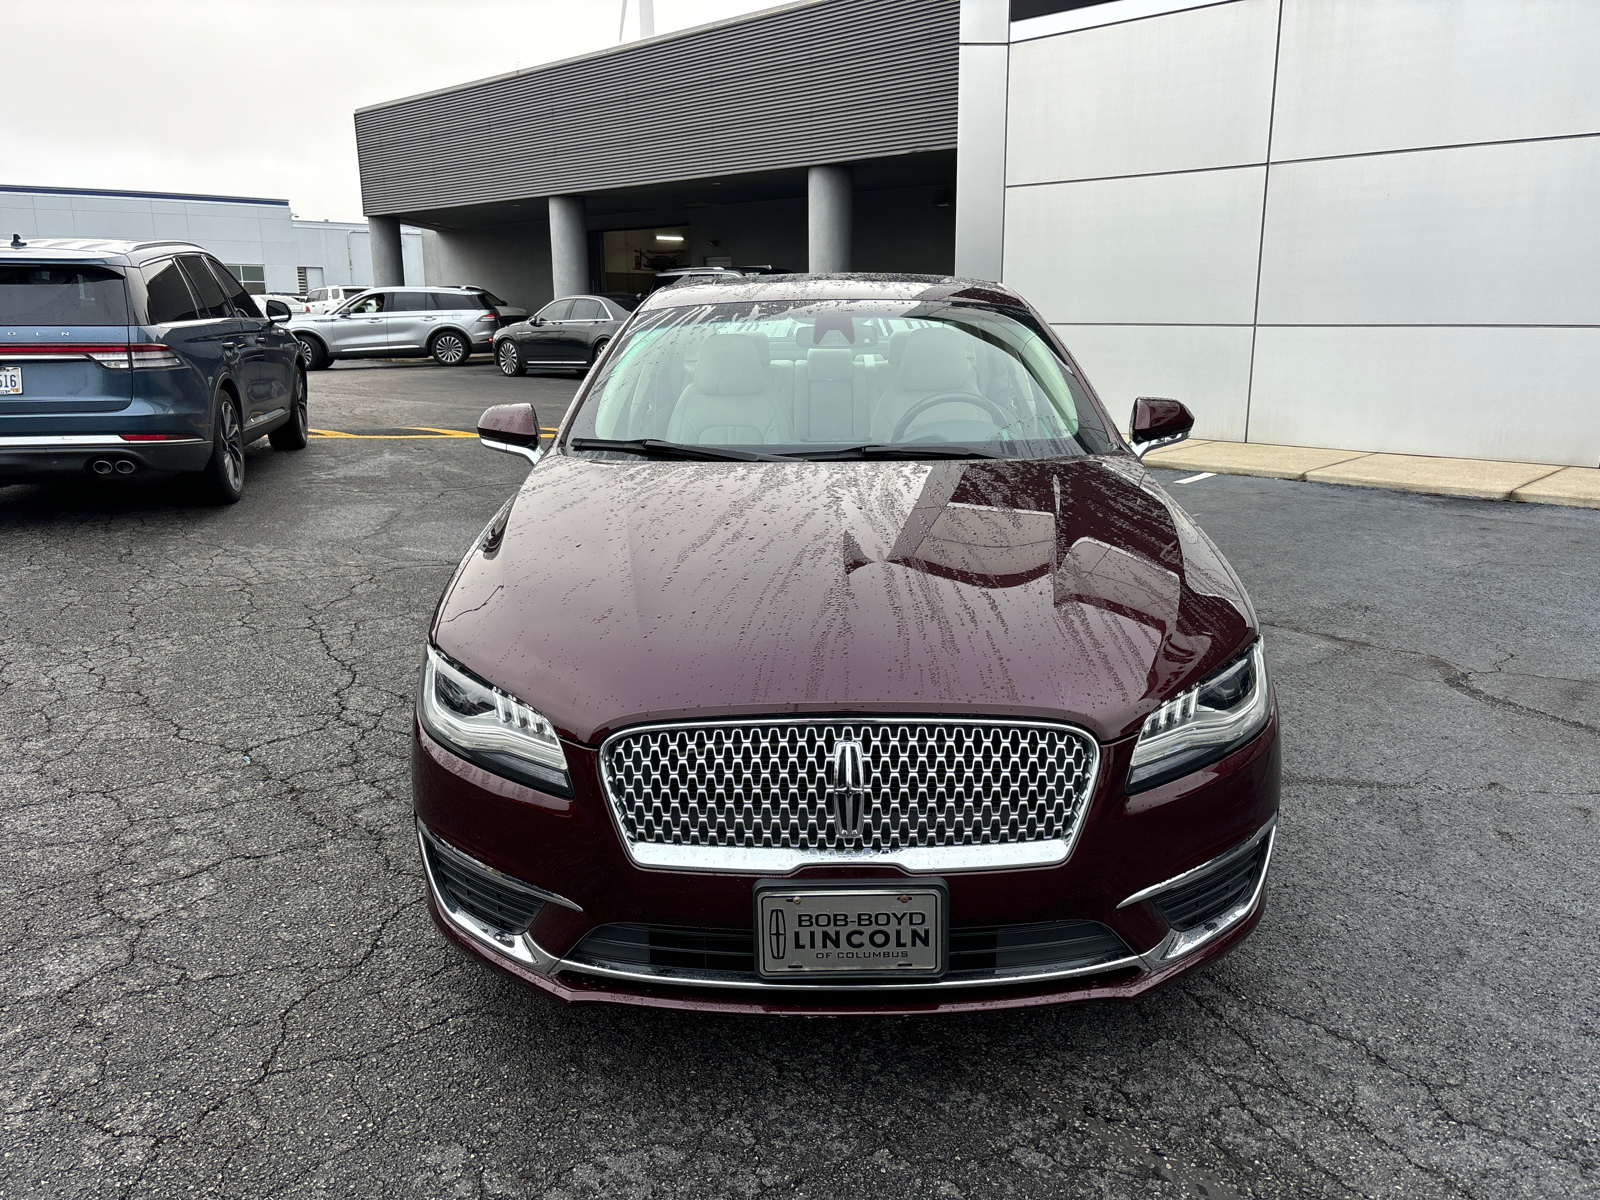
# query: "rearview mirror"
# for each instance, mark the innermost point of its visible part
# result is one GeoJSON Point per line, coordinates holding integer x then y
{"type": "Point", "coordinates": [511, 429]}
{"type": "Point", "coordinates": [1157, 422]}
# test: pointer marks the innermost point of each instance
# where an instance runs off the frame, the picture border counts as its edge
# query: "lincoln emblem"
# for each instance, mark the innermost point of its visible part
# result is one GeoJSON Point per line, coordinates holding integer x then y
{"type": "Point", "coordinates": [775, 930]}
{"type": "Point", "coordinates": [847, 788]}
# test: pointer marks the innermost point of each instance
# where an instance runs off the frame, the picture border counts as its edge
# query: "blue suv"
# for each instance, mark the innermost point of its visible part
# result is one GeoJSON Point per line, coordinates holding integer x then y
{"type": "Point", "coordinates": [120, 357]}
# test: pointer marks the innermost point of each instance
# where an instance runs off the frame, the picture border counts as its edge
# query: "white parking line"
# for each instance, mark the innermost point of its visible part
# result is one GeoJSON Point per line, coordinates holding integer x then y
{"type": "Point", "coordinates": [1197, 478]}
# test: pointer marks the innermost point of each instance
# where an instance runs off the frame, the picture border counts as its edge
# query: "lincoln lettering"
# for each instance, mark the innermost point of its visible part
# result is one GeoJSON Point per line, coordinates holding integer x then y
{"type": "Point", "coordinates": [859, 939]}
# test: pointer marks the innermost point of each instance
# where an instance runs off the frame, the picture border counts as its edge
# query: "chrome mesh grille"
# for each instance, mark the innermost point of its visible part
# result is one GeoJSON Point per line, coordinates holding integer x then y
{"type": "Point", "coordinates": [928, 784]}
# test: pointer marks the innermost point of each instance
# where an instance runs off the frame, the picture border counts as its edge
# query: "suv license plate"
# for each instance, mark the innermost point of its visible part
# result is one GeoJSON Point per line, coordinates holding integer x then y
{"type": "Point", "coordinates": [10, 381]}
{"type": "Point", "coordinates": [851, 929]}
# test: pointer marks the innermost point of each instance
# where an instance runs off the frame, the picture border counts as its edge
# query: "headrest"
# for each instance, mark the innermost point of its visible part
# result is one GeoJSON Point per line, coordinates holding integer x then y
{"type": "Point", "coordinates": [897, 344]}
{"type": "Point", "coordinates": [932, 360]}
{"type": "Point", "coordinates": [830, 366]}
{"type": "Point", "coordinates": [732, 364]}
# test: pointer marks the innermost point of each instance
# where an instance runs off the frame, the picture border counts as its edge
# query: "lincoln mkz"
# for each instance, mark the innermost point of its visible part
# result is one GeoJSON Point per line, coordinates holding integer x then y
{"type": "Point", "coordinates": [839, 655]}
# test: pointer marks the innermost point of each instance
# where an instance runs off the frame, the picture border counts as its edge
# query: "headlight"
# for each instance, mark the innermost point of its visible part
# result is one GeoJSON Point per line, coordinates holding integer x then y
{"type": "Point", "coordinates": [1205, 723]}
{"type": "Point", "coordinates": [486, 726]}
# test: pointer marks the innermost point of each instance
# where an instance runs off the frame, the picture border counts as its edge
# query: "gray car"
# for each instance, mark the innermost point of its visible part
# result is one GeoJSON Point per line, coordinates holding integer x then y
{"type": "Point", "coordinates": [566, 334]}
{"type": "Point", "coordinates": [447, 323]}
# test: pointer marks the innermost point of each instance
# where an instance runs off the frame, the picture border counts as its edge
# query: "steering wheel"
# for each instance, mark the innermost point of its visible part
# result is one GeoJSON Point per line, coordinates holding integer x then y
{"type": "Point", "coordinates": [921, 406]}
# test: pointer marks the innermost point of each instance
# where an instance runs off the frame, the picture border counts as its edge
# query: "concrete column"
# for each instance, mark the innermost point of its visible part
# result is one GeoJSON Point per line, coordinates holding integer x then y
{"type": "Point", "coordinates": [569, 246]}
{"type": "Point", "coordinates": [828, 209]}
{"type": "Point", "coordinates": [981, 138]}
{"type": "Point", "coordinates": [388, 267]}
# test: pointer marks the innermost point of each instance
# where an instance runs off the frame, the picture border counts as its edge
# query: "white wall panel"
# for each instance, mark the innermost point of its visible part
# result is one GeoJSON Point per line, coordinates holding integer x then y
{"type": "Point", "coordinates": [1519, 395]}
{"type": "Point", "coordinates": [112, 224]}
{"type": "Point", "coordinates": [981, 161]}
{"type": "Point", "coordinates": [1153, 249]}
{"type": "Point", "coordinates": [1174, 93]}
{"type": "Point", "coordinates": [1361, 75]}
{"type": "Point", "coordinates": [1207, 367]}
{"type": "Point", "coordinates": [1480, 234]}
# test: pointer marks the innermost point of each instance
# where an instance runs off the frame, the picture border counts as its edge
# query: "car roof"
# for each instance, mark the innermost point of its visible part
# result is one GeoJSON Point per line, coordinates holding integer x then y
{"type": "Point", "coordinates": [121, 251]}
{"type": "Point", "coordinates": [848, 286]}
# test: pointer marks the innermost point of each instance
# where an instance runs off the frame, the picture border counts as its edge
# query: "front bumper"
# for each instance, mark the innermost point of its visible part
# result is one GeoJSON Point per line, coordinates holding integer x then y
{"type": "Point", "coordinates": [1135, 854]}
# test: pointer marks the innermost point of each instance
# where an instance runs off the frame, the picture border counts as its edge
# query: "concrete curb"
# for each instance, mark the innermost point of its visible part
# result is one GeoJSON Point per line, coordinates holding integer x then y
{"type": "Point", "coordinates": [1536, 483]}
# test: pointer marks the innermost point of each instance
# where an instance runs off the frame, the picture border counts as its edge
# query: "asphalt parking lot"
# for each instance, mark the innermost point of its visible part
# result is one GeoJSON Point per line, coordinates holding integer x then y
{"type": "Point", "coordinates": [220, 976]}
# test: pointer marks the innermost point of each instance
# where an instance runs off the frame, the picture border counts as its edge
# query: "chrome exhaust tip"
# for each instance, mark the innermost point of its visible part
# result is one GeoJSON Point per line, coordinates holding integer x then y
{"type": "Point", "coordinates": [101, 466]}
{"type": "Point", "coordinates": [126, 466]}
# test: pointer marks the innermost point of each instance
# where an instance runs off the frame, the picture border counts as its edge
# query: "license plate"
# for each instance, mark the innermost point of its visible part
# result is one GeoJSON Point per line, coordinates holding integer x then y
{"type": "Point", "coordinates": [10, 381]}
{"type": "Point", "coordinates": [851, 929]}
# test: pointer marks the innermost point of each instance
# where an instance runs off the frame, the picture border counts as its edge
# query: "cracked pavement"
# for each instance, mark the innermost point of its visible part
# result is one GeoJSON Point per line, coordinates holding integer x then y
{"type": "Point", "coordinates": [220, 977]}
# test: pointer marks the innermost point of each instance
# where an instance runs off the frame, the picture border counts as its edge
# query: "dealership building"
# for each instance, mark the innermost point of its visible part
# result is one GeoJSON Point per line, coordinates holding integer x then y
{"type": "Point", "coordinates": [1338, 223]}
{"type": "Point", "coordinates": [265, 246]}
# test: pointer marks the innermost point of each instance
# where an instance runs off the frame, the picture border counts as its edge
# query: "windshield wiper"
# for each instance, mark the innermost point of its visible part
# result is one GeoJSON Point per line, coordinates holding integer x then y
{"type": "Point", "coordinates": [655, 448]}
{"type": "Point", "coordinates": [911, 450]}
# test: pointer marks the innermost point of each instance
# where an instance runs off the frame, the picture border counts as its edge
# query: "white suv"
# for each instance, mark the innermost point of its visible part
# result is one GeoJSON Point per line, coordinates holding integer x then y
{"type": "Point", "coordinates": [447, 323]}
{"type": "Point", "coordinates": [326, 299]}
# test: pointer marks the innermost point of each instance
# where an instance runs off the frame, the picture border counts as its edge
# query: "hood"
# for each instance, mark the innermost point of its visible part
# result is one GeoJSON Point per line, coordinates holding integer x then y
{"type": "Point", "coordinates": [1069, 589]}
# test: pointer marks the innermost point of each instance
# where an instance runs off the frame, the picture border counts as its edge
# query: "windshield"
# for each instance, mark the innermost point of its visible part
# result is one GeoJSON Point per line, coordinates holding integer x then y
{"type": "Point", "coordinates": [62, 295]}
{"type": "Point", "coordinates": [809, 378]}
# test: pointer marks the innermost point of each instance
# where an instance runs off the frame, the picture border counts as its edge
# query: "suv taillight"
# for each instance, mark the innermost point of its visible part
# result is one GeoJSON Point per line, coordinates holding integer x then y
{"type": "Point", "coordinates": [142, 356]}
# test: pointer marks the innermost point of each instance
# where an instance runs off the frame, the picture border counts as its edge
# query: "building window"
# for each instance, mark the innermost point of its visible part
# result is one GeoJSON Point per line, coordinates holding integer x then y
{"type": "Point", "coordinates": [253, 276]}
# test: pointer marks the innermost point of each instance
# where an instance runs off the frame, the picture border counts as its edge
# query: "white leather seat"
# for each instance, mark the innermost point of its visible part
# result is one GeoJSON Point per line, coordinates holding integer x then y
{"type": "Point", "coordinates": [830, 397]}
{"type": "Point", "coordinates": [733, 399]}
{"type": "Point", "coordinates": [930, 362]}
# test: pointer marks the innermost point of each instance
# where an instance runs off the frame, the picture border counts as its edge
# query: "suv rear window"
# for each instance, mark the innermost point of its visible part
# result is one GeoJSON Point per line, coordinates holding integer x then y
{"type": "Point", "coordinates": [451, 301]}
{"type": "Point", "coordinates": [62, 295]}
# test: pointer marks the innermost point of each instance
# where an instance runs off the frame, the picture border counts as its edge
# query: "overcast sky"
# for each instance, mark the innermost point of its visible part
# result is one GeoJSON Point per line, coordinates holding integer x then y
{"type": "Point", "coordinates": [246, 98]}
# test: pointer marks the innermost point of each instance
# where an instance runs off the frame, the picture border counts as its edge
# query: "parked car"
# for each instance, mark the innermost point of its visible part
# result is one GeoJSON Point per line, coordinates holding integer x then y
{"type": "Point", "coordinates": [839, 655]}
{"type": "Point", "coordinates": [326, 299]}
{"type": "Point", "coordinates": [447, 323]}
{"type": "Point", "coordinates": [566, 333]}
{"type": "Point", "coordinates": [123, 357]}
{"type": "Point", "coordinates": [692, 274]}
{"type": "Point", "coordinates": [295, 304]}
{"type": "Point", "coordinates": [509, 313]}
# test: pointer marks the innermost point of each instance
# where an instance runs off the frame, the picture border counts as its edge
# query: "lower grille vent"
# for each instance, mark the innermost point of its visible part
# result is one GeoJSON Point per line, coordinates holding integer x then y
{"type": "Point", "coordinates": [1196, 901]}
{"type": "Point", "coordinates": [1033, 947]}
{"type": "Point", "coordinates": [664, 946]}
{"type": "Point", "coordinates": [977, 953]}
{"type": "Point", "coordinates": [494, 899]}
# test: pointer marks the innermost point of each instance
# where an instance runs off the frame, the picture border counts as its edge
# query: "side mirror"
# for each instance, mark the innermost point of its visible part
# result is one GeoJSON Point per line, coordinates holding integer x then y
{"type": "Point", "coordinates": [1158, 422]}
{"type": "Point", "coordinates": [536, 321]}
{"type": "Point", "coordinates": [511, 429]}
{"type": "Point", "coordinates": [277, 311]}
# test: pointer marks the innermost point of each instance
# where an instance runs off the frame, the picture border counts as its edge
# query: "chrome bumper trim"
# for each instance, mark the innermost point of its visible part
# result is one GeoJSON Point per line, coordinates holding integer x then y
{"type": "Point", "coordinates": [1178, 945]}
{"type": "Point", "coordinates": [520, 947]}
{"type": "Point", "coordinates": [777, 861]}
{"type": "Point", "coordinates": [1227, 856]}
{"type": "Point", "coordinates": [84, 439]}
{"type": "Point", "coordinates": [728, 979]}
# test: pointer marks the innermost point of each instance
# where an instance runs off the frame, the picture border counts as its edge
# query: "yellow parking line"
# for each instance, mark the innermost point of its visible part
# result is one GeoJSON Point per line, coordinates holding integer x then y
{"type": "Point", "coordinates": [395, 437]}
{"type": "Point", "coordinates": [429, 434]}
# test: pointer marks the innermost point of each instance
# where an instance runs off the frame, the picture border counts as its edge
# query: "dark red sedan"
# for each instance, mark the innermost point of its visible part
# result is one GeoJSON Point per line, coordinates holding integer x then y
{"type": "Point", "coordinates": [840, 656]}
